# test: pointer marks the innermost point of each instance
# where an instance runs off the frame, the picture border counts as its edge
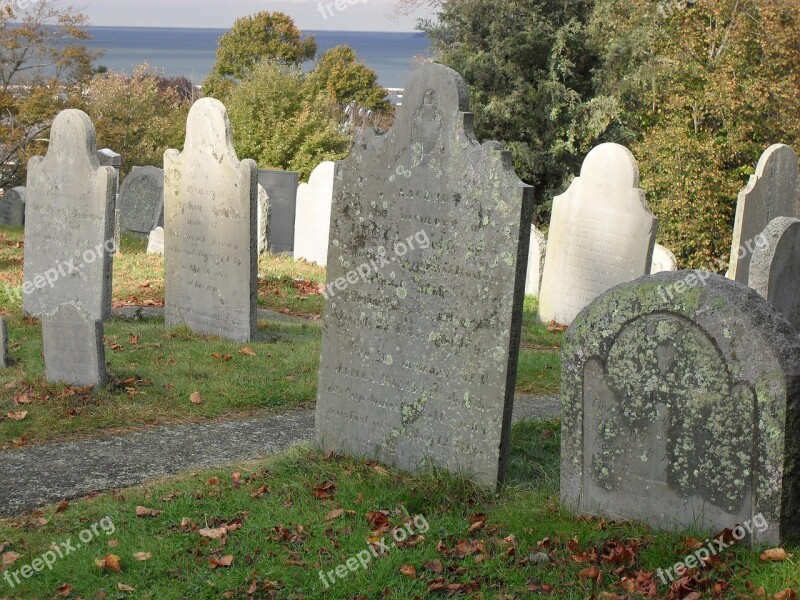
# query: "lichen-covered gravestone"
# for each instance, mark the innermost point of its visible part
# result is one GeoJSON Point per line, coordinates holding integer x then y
{"type": "Point", "coordinates": [210, 253]}
{"type": "Point", "coordinates": [428, 250]}
{"type": "Point", "coordinates": [680, 399]}
{"type": "Point", "coordinates": [69, 223]}
{"type": "Point", "coordinates": [141, 200]}
{"type": "Point", "coordinates": [663, 260]}
{"type": "Point", "coordinates": [313, 221]}
{"type": "Point", "coordinates": [536, 258]}
{"type": "Point", "coordinates": [773, 191]}
{"type": "Point", "coordinates": [775, 267]}
{"type": "Point", "coordinates": [12, 207]}
{"type": "Point", "coordinates": [73, 347]}
{"type": "Point", "coordinates": [601, 234]}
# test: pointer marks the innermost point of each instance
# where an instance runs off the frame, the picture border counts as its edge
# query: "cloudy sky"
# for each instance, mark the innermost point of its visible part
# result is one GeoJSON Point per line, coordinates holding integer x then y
{"type": "Point", "coordinates": [356, 15]}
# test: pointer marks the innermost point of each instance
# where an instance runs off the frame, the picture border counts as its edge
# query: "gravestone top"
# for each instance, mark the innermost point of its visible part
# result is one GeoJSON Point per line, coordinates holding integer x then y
{"type": "Point", "coordinates": [663, 260]}
{"type": "Point", "coordinates": [775, 267]}
{"type": "Point", "coordinates": [155, 241]}
{"type": "Point", "coordinates": [74, 353]}
{"type": "Point", "coordinates": [109, 158]}
{"type": "Point", "coordinates": [12, 207]}
{"type": "Point", "coordinates": [313, 215]}
{"type": "Point", "coordinates": [429, 235]}
{"type": "Point", "coordinates": [677, 392]}
{"type": "Point", "coordinates": [141, 200]}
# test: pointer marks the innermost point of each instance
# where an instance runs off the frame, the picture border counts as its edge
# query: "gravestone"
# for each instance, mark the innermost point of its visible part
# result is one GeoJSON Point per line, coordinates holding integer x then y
{"type": "Point", "coordinates": [313, 218]}
{"type": "Point", "coordinates": [4, 362]}
{"type": "Point", "coordinates": [663, 260]}
{"type": "Point", "coordinates": [775, 267]}
{"type": "Point", "coordinates": [73, 347]}
{"type": "Point", "coordinates": [426, 279]}
{"type": "Point", "coordinates": [536, 257]}
{"type": "Point", "coordinates": [12, 207]}
{"type": "Point", "coordinates": [69, 223]}
{"type": "Point", "coordinates": [281, 187]}
{"type": "Point", "coordinates": [155, 241]}
{"type": "Point", "coordinates": [680, 397]}
{"type": "Point", "coordinates": [601, 234]}
{"type": "Point", "coordinates": [263, 220]}
{"type": "Point", "coordinates": [210, 252]}
{"type": "Point", "coordinates": [141, 200]}
{"type": "Point", "coordinates": [773, 191]}
{"type": "Point", "coordinates": [108, 158]}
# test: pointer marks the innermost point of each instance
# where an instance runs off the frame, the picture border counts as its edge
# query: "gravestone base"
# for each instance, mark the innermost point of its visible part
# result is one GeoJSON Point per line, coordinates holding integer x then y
{"type": "Point", "coordinates": [74, 353]}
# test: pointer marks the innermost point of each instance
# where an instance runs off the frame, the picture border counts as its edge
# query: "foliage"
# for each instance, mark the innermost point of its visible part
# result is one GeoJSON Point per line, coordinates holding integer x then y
{"type": "Point", "coordinates": [344, 78]}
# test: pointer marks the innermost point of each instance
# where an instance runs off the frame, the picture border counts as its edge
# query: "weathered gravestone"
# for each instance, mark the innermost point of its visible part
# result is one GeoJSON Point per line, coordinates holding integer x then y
{"type": "Point", "coordinates": [313, 218]}
{"type": "Point", "coordinates": [69, 223]}
{"type": "Point", "coordinates": [263, 223]}
{"type": "Point", "coordinates": [108, 158]}
{"type": "Point", "coordinates": [681, 409]}
{"type": "Point", "coordinates": [3, 344]}
{"type": "Point", "coordinates": [155, 241]}
{"type": "Point", "coordinates": [773, 191]}
{"type": "Point", "coordinates": [429, 244]}
{"type": "Point", "coordinates": [12, 207]}
{"type": "Point", "coordinates": [775, 267]}
{"type": "Point", "coordinates": [281, 187]}
{"type": "Point", "coordinates": [73, 347]}
{"type": "Point", "coordinates": [536, 257]}
{"type": "Point", "coordinates": [663, 260]}
{"type": "Point", "coordinates": [141, 200]}
{"type": "Point", "coordinates": [210, 253]}
{"type": "Point", "coordinates": [601, 234]}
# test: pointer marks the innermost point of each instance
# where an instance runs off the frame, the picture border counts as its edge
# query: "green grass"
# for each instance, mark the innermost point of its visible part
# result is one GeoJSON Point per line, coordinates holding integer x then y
{"type": "Point", "coordinates": [286, 531]}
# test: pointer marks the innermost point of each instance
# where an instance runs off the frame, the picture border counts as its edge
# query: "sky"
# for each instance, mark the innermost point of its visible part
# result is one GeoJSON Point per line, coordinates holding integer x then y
{"type": "Point", "coordinates": [352, 15]}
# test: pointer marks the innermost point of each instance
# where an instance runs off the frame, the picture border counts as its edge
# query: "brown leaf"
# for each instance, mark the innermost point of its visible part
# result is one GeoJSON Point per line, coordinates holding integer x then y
{"type": "Point", "coordinates": [435, 566]}
{"type": "Point", "coordinates": [196, 398]}
{"type": "Point", "coordinates": [325, 490]}
{"type": "Point", "coordinates": [334, 514]}
{"type": "Point", "coordinates": [247, 352]}
{"type": "Point", "coordinates": [775, 554]}
{"type": "Point", "coordinates": [787, 594]}
{"type": "Point", "coordinates": [409, 571]}
{"type": "Point", "coordinates": [62, 506]}
{"type": "Point", "coordinates": [110, 562]}
{"type": "Point", "coordinates": [17, 416]}
{"type": "Point", "coordinates": [213, 482]}
{"type": "Point", "coordinates": [225, 561]}
{"type": "Point", "coordinates": [125, 588]}
{"type": "Point", "coordinates": [215, 533]}
{"type": "Point", "coordinates": [142, 556]}
{"type": "Point", "coordinates": [9, 558]}
{"type": "Point", "coordinates": [143, 511]}
{"type": "Point", "coordinates": [64, 590]}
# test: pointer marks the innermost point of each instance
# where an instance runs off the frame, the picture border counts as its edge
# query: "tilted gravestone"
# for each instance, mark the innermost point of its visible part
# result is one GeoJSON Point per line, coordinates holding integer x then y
{"type": "Point", "coordinates": [69, 223]}
{"type": "Point", "coordinates": [12, 207]}
{"type": "Point", "coordinates": [601, 234]}
{"type": "Point", "coordinates": [155, 241]}
{"type": "Point", "coordinates": [263, 220]}
{"type": "Point", "coordinates": [281, 187]}
{"type": "Point", "coordinates": [536, 257]}
{"type": "Point", "coordinates": [663, 260]}
{"type": "Point", "coordinates": [313, 218]}
{"type": "Point", "coordinates": [141, 200]}
{"type": "Point", "coordinates": [3, 344]}
{"type": "Point", "coordinates": [775, 267]}
{"type": "Point", "coordinates": [73, 347]}
{"type": "Point", "coordinates": [680, 397]}
{"type": "Point", "coordinates": [428, 250]}
{"type": "Point", "coordinates": [773, 191]}
{"type": "Point", "coordinates": [210, 253]}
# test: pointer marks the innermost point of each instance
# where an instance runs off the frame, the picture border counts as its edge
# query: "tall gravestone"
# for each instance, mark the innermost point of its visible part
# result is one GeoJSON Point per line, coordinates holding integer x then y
{"type": "Point", "coordinates": [775, 267]}
{"type": "Point", "coordinates": [680, 398]}
{"type": "Point", "coordinates": [313, 217]}
{"type": "Point", "coordinates": [428, 250]}
{"type": "Point", "coordinates": [141, 200]}
{"type": "Point", "coordinates": [663, 260]}
{"type": "Point", "coordinates": [73, 347]}
{"type": "Point", "coordinates": [601, 234]}
{"type": "Point", "coordinates": [536, 257]}
{"type": "Point", "coordinates": [263, 220]}
{"type": "Point", "coordinates": [773, 191]}
{"type": "Point", "coordinates": [210, 253]}
{"type": "Point", "coordinates": [281, 187]}
{"type": "Point", "coordinates": [69, 223]}
{"type": "Point", "coordinates": [12, 207]}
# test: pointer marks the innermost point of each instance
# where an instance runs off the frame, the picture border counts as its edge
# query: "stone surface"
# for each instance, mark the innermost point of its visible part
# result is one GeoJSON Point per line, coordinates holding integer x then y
{"type": "Point", "coordinates": [12, 207]}
{"type": "Point", "coordinates": [155, 241]}
{"type": "Point", "coordinates": [281, 187]}
{"type": "Point", "coordinates": [419, 352]}
{"type": "Point", "coordinates": [141, 200]}
{"type": "Point", "coordinates": [3, 344]}
{"type": "Point", "coordinates": [775, 267]}
{"type": "Point", "coordinates": [263, 220]}
{"type": "Point", "coordinates": [601, 234]}
{"type": "Point", "coordinates": [313, 217]}
{"type": "Point", "coordinates": [210, 251]}
{"type": "Point", "coordinates": [73, 347]}
{"type": "Point", "coordinates": [69, 223]}
{"type": "Point", "coordinates": [680, 397]}
{"type": "Point", "coordinates": [773, 191]}
{"type": "Point", "coordinates": [663, 260]}
{"type": "Point", "coordinates": [536, 257]}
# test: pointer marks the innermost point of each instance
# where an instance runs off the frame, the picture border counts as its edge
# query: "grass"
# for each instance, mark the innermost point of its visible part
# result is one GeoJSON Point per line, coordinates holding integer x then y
{"type": "Point", "coordinates": [285, 519]}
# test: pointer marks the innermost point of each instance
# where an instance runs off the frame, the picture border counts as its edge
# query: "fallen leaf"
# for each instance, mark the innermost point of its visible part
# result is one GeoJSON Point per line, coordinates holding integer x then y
{"type": "Point", "coordinates": [62, 506]}
{"type": "Point", "coordinates": [9, 558]}
{"type": "Point", "coordinates": [225, 561]}
{"type": "Point", "coordinates": [409, 571]}
{"type": "Point", "coordinates": [213, 482]}
{"type": "Point", "coordinates": [196, 398]}
{"type": "Point", "coordinates": [142, 556]}
{"type": "Point", "coordinates": [17, 416]}
{"type": "Point", "coordinates": [64, 590]}
{"type": "Point", "coordinates": [110, 562]}
{"type": "Point", "coordinates": [787, 594]}
{"type": "Point", "coordinates": [213, 533]}
{"type": "Point", "coordinates": [775, 554]}
{"type": "Point", "coordinates": [142, 511]}
{"type": "Point", "coordinates": [247, 352]}
{"type": "Point", "coordinates": [334, 514]}
{"type": "Point", "coordinates": [125, 588]}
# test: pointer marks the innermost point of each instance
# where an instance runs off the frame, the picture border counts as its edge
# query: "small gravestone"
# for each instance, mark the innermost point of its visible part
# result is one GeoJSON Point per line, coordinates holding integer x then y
{"type": "Point", "coordinates": [426, 279]}
{"type": "Point", "coordinates": [4, 362]}
{"type": "Point", "coordinates": [313, 221]}
{"type": "Point", "coordinates": [663, 260]}
{"type": "Point", "coordinates": [263, 220]}
{"type": "Point", "coordinates": [281, 187]}
{"type": "Point", "coordinates": [775, 267]}
{"type": "Point", "coordinates": [141, 200]}
{"type": "Point", "coordinates": [601, 234]}
{"type": "Point", "coordinates": [155, 241]}
{"type": "Point", "coordinates": [210, 252]}
{"type": "Point", "coordinates": [69, 223]}
{"type": "Point", "coordinates": [12, 207]}
{"type": "Point", "coordinates": [108, 158]}
{"type": "Point", "coordinates": [680, 396]}
{"type": "Point", "coordinates": [773, 191]}
{"type": "Point", "coordinates": [536, 257]}
{"type": "Point", "coordinates": [73, 347]}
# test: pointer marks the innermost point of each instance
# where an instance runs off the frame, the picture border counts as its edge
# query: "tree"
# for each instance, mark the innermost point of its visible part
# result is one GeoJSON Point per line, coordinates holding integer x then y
{"type": "Point", "coordinates": [343, 78]}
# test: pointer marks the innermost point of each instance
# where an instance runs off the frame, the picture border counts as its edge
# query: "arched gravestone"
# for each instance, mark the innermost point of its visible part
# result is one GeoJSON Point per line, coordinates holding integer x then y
{"type": "Point", "coordinates": [773, 191]}
{"type": "Point", "coordinates": [12, 207]}
{"type": "Point", "coordinates": [141, 200]}
{"type": "Point", "coordinates": [210, 253]}
{"type": "Point", "coordinates": [428, 251]}
{"type": "Point", "coordinates": [69, 223]}
{"type": "Point", "coordinates": [775, 267]}
{"type": "Point", "coordinates": [663, 260]}
{"type": "Point", "coordinates": [313, 221]}
{"type": "Point", "coordinates": [601, 234]}
{"type": "Point", "coordinates": [683, 412]}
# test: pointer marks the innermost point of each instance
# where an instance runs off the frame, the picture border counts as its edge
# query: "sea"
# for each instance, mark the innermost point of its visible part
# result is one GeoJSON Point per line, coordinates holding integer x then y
{"type": "Point", "coordinates": [191, 52]}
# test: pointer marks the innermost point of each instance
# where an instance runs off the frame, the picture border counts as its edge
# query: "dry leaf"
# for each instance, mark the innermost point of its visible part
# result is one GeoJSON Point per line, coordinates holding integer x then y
{"type": "Point", "coordinates": [196, 398]}
{"type": "Point", "coordinates": [62, 506]}
{"type": "Point", "coordinates": [17, 416]}
{"type": "Point", "coordinates": [125, 588]}
{"type": "Point", "coordinates": [64, 590]}
{"type": "Point", "coordinates": [142, 556]}
{"type": "Point", "coordinates": [225, 561]}
{"type": "Point", "coordinates": [113, 543]}
{"type": "Point", "coordinates": [408, 571]}
{"type": "Point", "coordinates": [213, 481]}
{"type": "Point", "coordinates": [334, 514]}
{"type": "Point", "coordinates": [775, 554]}
{"type": "Point", "coordinates": [787, 594]}
{"type": "Point", "coordinates": [9, 558]}
{"type": "Point", "coordinates": [142, 511]}
{"type": "Point", "coordinates": [247, 352]}
{"type": "Point", "coordinates": [214, 534]}
{"type": "Point", "coordinates": [110, 562]}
